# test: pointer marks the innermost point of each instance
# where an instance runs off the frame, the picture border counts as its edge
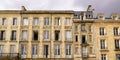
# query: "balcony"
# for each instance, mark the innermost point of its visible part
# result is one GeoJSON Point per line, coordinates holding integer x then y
{"type": "Point", "coordinates": [3, 27]}
{"type": "Point", "coordinates": [105, 49]}
{"type": "Point", "coordinates": [117, 48]}
{"type": "Point", "coordinates": [13, 55]}
{"type": "Point", "coordinates": [84, 55]}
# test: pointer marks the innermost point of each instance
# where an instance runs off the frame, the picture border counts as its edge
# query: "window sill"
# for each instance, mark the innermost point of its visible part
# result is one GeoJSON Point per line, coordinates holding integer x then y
{"type": "Point", "coordinates": [3, 27]}
{"type": "Point", "coordinates": [117, 50]}
{"type": "Point", "coordinates": [85, 44]}
{"type": "Point", "coordinates": [13, 41]}
{"type": "Point", "coordinates": [24, 41]}
{"type": "Point", "coordinates": [68, 27]}
{"type": "Point", "coordinates": [104, 50]}
{"type": "Point", "coordinates": [3, 41]}
{"type": "Point", "coordinates": [68, 41]}
{"type": "Point", "coordinates": [35, 41]}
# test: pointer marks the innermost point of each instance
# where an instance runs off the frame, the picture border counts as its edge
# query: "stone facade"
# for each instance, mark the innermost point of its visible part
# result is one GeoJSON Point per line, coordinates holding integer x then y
{"type": "Point", "coordinates": [59, 34]}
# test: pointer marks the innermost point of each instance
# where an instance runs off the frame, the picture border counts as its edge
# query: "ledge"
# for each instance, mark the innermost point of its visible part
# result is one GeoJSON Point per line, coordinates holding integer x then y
{"type": "Point", "coordinates": [104, 50]}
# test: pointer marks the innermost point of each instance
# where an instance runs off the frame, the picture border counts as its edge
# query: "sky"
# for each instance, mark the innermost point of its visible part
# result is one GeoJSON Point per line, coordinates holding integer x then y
{"type": "Point", "coordinates": [101, 6]}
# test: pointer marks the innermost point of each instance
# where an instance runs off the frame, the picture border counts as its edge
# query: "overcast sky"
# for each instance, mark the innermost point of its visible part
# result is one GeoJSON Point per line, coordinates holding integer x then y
{"type": "Point", "coordinates": [100, 6]}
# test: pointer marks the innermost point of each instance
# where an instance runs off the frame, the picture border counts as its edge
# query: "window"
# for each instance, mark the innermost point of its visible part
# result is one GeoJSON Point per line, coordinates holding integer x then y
{"type": "Point", "coordinates": [46, 21]}
{"type": "Point", "coordinates": [103, 57]}
{"type": "Point", "coordinates": [117, 56]}
{"type": "Point", "coordinates": [116, 31]}
{"type": "Point", "coordinates": [90, 28]}
{"type": "Point", "coordinates": [103, 44]}
{"type": "Point", "coordinates": [46, 35]}
{"type": "Point", "coordinates": [57, 51]}
{"type": "Point", "coordinates": [24, 35]}
{"type": "Point", "coordinates": [91, 50]}
{"type": "Point", "coordinates": [84, 52]}
{"type": "Point", "coordinates": [36, 21]}
{"type": "Point", "coordinates": [14, 21]}
{"type": "Point", "coordinates": [90, 38]}
{"type": "Point", "coordinates": [2, 35]}
{"type": "Point", "coordinates": [1, 49]}
{"type": "Point", "coordinates": [68, 35]}
{"type": "Point", "coordinates": [35, 35]}
{"type": "Point", "coordinates": [76, 50]}
{"type": "Point", "coordinates": [46, 51]}
{"type": "Point", "coordinates": [57, 21]}
{"type": "Point", "coordinates": [23, 51]}
{"type": "Point", "coordinates": [76, 38]}
{"type": "Point", "coordinates": [12, 50]}
{"type": "Point", "coordinates": [117, 44]}
{"type": "Point", "coordinates": [34, 51]}
{"type": "Point", "coordinates": [76, 28]}
{"type": "Point", "coordinates": [3, 21]}
{"type": "Point", "coordinates": [25, 21]}
{"type": "Point", "coordinates": [67, 21]}
{"type": "Point", "coordinates": [57, 35]}
{"type": "Point", "coordinates": [102, 32]}
{"type": "Point", "coordinates": [13, 35]}
{"type": "Point", "coordinates": [83, 39]}
{"type": "Point", "coordinates": [68, 49]}
{"type": "Point", "coordinates": [83, 27]}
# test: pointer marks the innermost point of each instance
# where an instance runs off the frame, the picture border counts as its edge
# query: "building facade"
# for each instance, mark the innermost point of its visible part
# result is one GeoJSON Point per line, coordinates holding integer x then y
{"type": "Point", "coordinates": [78, 35]}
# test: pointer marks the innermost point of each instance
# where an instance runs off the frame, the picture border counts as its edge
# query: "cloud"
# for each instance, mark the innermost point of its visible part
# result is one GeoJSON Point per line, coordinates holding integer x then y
{"type": "Point", "coordinates": [100, 6]}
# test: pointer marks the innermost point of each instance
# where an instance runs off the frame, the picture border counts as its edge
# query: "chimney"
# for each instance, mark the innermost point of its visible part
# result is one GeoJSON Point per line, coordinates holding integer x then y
{"type": "Point", "coordinates": [23, 8]}
{"type": "Point", "coordinates": [90, 8]}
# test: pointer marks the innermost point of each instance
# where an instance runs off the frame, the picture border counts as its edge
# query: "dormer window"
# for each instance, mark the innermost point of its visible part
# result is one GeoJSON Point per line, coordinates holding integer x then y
{"type": "Point", "coordinates": [114, 17]}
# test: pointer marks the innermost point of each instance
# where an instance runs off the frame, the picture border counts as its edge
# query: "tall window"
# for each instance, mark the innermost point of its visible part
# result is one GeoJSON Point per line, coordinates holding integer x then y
{"type": "Point", "coordinates": [76, 50]}
{"type": "Point", "coordinates": [57, 35]}
{"type": "Point", "coordinates": [91, 50]}
{"type": "Point", "coordinates": [83, 27]}
{"type": "Point", "coordinates": [13, 35]}
{"type": "Point", "coordinates": [57, 51]}
{"type": "Point", "coordinates": [46, 35]}
{"type": "Point", "coordinates": [57, 21]}
{"type": "Point", "coordinates": [1, 49]}
{"type": "Point", "coordinates": [46, 53]}
{"type": "Point", "coordinates": [67, 21]}
{"type": "Point", "coordinates": [117, 56]}
{"type": "Point", "coordinates": [76, 38]}
{"type": "Point", "coordinates": [84, 51]}
{"type": "Point", "coordinates": [90, 38]}
{"type": "Point", "coordinates": [25, 21]}
{"type": "Point", "coordinates": [24, 35]}
{"type": "Point", "coordinates": [68, 49]}
{"type": "Point", "coordinates": [117, 44]}
{"type": "Point", "coordinates": [12, 50]}
{"type": "Point", "coordinates": [103, 44]}
{"type": "Point", "coordinates": [36, 21]}
{"type": "Point", "coordinates": [35, 35]}
{"type": "Point", "coordinates": [14, 21]}
{"type": "Point", "coordinates": [68, 35]}
{"type": "Point", "coordinates": [34, 50]}
{"type": "Point", "coordinates": [103, 57]}
{"type": "Point", "coordinates": [3, 21]}
{"type": "Point", "coordinates": [23, 51]}
{"type": "Point", "coordinates": [116, 31]}
{"type": "Point", "coordinates": [46, 21]}
{"type": "Point", "coordinates": [102, 31]}
{"type": "Point", "coordinates": [2, 35]}
{"type": "Point", "coordinates": [84, 39]}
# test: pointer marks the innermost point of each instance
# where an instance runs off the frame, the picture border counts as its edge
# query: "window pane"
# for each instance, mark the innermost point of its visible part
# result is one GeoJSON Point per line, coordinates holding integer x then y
{"type": "Point", "coordinates": [14, 21]}
{"type": "Point", "coordinates": [46, 21]}
{"type": "Point", "coordinates": [36, 21]}
{"type": "Point", "coordinates": [68, 35]}
{"type": "Point", "coordinates": [25, 21]}
{"type": "Point", "coordinates": [24, 35]}
{"type": "Point", "coordinates": [67, 21]}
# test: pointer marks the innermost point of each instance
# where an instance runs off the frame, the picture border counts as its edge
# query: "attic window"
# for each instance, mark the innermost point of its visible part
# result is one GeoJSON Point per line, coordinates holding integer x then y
{"type": "Point", "coordinates": [100, 16]}
{"type": "Point", "coordinates": [114, 17]}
